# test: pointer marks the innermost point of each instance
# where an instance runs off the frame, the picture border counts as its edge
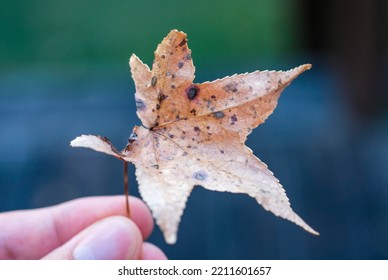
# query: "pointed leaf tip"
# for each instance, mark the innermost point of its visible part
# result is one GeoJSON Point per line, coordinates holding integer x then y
{"type": "Point", "coordinates": [97, 143]}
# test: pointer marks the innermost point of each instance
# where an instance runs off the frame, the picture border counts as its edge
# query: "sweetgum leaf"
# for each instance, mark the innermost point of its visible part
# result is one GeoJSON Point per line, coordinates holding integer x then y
{"type": "Point", "coordinates": [194, 134]}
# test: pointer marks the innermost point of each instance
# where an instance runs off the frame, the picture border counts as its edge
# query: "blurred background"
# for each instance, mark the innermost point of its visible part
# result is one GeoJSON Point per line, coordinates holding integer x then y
{"type": "Point", "coordinates": [64, 72]}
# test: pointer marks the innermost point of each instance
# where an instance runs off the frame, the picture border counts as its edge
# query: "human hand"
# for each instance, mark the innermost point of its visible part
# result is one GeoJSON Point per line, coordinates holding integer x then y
{"type": "Point", "coordinates": [85, 228]}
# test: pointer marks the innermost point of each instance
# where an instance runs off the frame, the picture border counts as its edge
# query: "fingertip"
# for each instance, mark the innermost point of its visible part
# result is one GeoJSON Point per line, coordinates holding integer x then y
{"type": "Point", "coordinates": [151, 252]}
{"type": "Point", "coordinates": [113, 238]}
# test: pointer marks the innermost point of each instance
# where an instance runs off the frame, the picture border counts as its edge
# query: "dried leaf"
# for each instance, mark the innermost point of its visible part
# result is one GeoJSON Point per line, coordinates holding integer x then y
{"type": "Point", "coordinates": [194, 134]}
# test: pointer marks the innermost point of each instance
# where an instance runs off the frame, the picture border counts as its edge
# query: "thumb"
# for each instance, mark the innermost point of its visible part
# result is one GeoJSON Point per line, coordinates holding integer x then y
{"type": "Point", "coordinates": [112, 238]}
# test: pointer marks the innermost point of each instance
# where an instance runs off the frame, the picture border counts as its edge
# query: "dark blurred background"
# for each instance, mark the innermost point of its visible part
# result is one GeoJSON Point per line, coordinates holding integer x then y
{"type": "Point", "coordinates": [64, 72]}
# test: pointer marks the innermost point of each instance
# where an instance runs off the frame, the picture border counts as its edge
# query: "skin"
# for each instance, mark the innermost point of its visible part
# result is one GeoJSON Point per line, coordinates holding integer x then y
{"type": "Point", "coordinates": [85, 228]}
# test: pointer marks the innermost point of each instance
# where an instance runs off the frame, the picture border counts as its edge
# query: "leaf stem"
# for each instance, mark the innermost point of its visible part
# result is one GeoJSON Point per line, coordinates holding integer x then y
{"type": "Point", "coordinates": [126, 189]}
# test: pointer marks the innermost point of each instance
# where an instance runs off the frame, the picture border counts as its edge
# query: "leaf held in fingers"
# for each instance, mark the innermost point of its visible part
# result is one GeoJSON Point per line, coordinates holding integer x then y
{"type": "Point", "coordinates": [194, 134]}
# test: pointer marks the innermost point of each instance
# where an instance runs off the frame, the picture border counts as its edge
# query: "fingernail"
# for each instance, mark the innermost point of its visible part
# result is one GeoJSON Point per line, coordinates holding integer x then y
{"type": "Point", "coordinates": [111, 239]}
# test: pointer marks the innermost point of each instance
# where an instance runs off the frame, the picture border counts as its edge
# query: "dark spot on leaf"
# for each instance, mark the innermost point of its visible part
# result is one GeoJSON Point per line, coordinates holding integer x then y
{"type": "Point", "coordinates": [153, 81]}
{"type": "Point", "coordinates": [182, 42]}
{"type": "Point", "coordinates": [188, 56]}
{"type": "Point", "coordinates": [233, 118]}
{"type": "Point", "coordinates": [161, 96]}
{"type": "Point", "coordinates": [221, 151]}
{"type": "Point", "coordinates": [163, 56]}
{"type": "Point", "coordinates": [180, 64]}
{"type": "Point", "coordinates": [171, 136]}
{"type": "Point", "coordinates": [218, 115]}
{"type": "Point", "coordinates": [189, 146]}
{"type": "Point", "coordinates": [177, 117]}
{"type": "Point", "coordinates": [213, 97]}
{"type": "Point", "coordinates": [200, 175]}
{"type": "Point", "coordinates": [156, 124]}
{"type": "Point", "coordinates": [194, 112]}
{"type": "Point", "coordinates": [208, 127]}
{"type": "Point", "coordinates": [196, 128]}
{"type": "Point", "coordinates": [172, 86]}
{"type": "Point", "coordinates": [157, 106]}
{"type": "Point", "coordinates": [140, 104]}
{"type": "Point", "coordinates": [192, 92]}
{"type": "Point", "coordinates": [155, 166]}
{"type": "Point", "coordinates": [184, 154]}
{"type": "Point", "coordinates": [231, 87]}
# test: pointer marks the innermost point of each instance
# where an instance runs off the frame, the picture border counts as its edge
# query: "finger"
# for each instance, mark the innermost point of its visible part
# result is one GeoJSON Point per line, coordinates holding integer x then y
{"type": "Point", "coordinates": [32, 234]}
{"type": "Point", "coordinates": [113, 238]}
{"type": "Point", "coordinates": [151, 252]}
{"type": "Point", "coordinates": [86, 211]}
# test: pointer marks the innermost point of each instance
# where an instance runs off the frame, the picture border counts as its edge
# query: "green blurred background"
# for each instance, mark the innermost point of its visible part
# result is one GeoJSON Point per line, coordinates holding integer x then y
{"type": "Point", "coordinates": [64, 72]}
{"type": "Point", "coordinates": [90, 33]}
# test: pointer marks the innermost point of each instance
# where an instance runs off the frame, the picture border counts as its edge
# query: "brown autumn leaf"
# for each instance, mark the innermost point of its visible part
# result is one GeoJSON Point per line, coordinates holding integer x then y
{"type": "Point", "coordinates": [193, 134]}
